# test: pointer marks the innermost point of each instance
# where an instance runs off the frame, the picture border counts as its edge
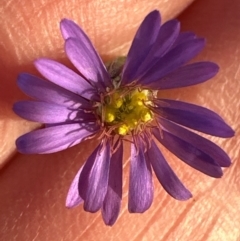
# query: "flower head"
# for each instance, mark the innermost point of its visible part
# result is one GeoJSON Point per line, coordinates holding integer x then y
{"type": "Point", "coordinates": [120, 103]}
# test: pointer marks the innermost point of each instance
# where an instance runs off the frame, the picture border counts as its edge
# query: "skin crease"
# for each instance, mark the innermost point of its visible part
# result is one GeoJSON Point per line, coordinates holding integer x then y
{"type": "Point", "coordinates": [34, 187]}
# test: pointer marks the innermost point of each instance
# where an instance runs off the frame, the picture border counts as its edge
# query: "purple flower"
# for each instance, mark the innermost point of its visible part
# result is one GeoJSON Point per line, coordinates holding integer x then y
{"type": "Point", "coordinates": [121, 103]}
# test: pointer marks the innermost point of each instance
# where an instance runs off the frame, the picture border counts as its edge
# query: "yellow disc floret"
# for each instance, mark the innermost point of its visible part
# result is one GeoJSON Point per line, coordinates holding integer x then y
{"type": "Point", "coordinates": [139, 97]}
{"type": "Point", "coordinates": [117, 100]}
{"type": "Point", "coordinates": [126, 110]}
{"type": "Point", "coordinates": [109, 115]}
{"type": "Point", "coordinates": [123, 130]}
{"type": "Point", "coordinates": [146, 115]}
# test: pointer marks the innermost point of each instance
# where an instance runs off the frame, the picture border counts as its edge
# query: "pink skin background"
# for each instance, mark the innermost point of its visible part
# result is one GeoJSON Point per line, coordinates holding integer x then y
{"type": "Point", "coordinates": [33, 188]}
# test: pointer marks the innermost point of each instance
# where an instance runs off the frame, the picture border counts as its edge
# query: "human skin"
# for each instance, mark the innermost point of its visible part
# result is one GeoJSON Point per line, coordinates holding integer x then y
{"type": "Point", "coordinates": [34, 187]}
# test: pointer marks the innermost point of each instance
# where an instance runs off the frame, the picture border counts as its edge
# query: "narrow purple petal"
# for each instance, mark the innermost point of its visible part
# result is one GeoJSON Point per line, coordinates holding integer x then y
{"type": "Point", "coordinates": [93, 180]}
{"type": "Point", "coordinates": [66, 78]}
{"type": "Point", "coordinates": [55, 138]}
{"type": "Point", "coordinates": [46, 91]}
{"type": "Point", "coordinates": [188, 75]}
{"type": "Point", "coordinates": [167, 35]}
{"type": "Point", "coordinates": [70, 29]}
{"type": "Point", "coordinates": [141, 45]}
{"type": "Point", "coordinates": [210, 148]}
{"type": "Point", "coordinates": [73, 198]}
{"type": "Point", "coordinates": [184, 37]}
{"type": "Point", "coordinates": [87, 64]}
{"type": "Point", "coordinates": [188, 153]}
{"type": "Point", "coordinates": [171, 61]}
{"type": "Point", "coordinates": [140, 181]}
{"type": "Point", "coordinates": [112, 202]}
{"type": "Point", "coordinates": [195, 117]}
{"type": "Point", "coordinates": [165, 174]}
{"type": "Point", "coordinates": [44, 112]}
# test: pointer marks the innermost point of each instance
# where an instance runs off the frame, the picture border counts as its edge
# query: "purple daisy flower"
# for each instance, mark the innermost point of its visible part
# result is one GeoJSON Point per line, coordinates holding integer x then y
{"type": "Point", "coordinates": [120, 103]}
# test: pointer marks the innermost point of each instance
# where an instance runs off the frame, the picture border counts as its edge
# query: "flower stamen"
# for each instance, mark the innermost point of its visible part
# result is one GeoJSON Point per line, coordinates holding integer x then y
{"type": "Point", "coordinates": [124, 111]}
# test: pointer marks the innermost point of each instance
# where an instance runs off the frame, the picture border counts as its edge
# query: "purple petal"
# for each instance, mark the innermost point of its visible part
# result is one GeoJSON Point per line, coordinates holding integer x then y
{"type": "Point", "coordinates": [112, 202]}
{"type": "Point", "coordinates": [184, 37]}
{"type": "Point", "coordinates": [165, 39]}
{"type": "Point", "coordinates": [188, 75]}
{"type": "Point", "coordinates": [202, 143]}
{"type": "Point", "coordinates": [165, 174]}
{"type": "Point", "coordinates": [44, 112]}
{"type": "Point", "coordinates": [66, 78]}
{"type": "Point", "coordinates": [141, 45]}
{"type": "Point", "coordinates": [93, 180]}
{"type": "Point", "coordinates": [195, 117]}
{"type": "Point", "coordinates": [46, 91]}
{"type": "Point", "coordinates": [70, 29]}
{"type": "Point", "coordinates": [188, 153]}
{"type": "Point", "coordinates": [87, 63]}
{"type": "Point", "coordinates": [140, 181]}
{"type": "Point", "coordinates": [171, 61]}
{"type": "Point", "coordinates": [55, 138]}
{"type": "Point", "coordinates": [73, 198]}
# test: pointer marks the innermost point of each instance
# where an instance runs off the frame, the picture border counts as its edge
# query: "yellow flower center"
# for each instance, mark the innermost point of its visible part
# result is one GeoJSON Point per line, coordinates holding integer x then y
{"type": "Point", "coordinates": [125, 112]}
